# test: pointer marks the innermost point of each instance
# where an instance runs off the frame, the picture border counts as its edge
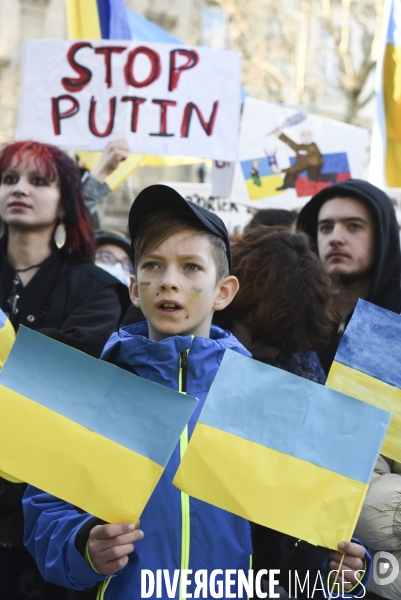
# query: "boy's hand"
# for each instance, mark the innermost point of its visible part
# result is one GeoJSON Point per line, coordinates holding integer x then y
{"type": "Point", "coordinates": [353, 561]}
{"type": "Point", "coordinates": [115, 152]}
{"type": "Point", "coordinates": [110, 545]}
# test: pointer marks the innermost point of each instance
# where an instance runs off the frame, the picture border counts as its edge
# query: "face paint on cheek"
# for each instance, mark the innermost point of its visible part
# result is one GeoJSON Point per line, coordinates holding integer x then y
{"type": "Point", "coordinates": [144, 285]}
{"type": "Point", "coordinates": [196, 292]}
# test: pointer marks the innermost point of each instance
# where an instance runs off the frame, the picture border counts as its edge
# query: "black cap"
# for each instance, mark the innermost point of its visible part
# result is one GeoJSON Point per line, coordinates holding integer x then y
{"type": "Point", "coordinates": [112, 236]}
{"type": "Point", "coordinates": [157, 197]}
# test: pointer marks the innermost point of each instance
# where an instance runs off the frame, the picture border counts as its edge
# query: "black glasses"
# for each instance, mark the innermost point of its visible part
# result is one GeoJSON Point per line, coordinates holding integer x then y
{"type": "Point", "coordinates": [108, 258]}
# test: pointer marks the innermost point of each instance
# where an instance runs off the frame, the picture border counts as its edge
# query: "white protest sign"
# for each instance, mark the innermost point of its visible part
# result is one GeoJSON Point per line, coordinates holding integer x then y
{"type": "Point", "coordinates": [235, 216]}
{"type": "Point", "coordinates": [222, 178]}
{"type": "Point", "coordinates": [163, 99]}
{"type": "Point", "coordinates": [286, 156]}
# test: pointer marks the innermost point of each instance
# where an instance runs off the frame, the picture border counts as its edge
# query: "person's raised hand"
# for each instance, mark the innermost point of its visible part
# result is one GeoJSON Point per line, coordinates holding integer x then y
{"type": "Point", "coordinates": [115, 152]}
{"type": "Point", "coordinates": [353, 562]}
{"type": "Point", "coordinates": [110, 545]}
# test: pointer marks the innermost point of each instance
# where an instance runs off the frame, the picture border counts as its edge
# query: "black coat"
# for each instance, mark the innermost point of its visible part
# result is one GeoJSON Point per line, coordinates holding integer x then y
{"type": "Point", "coordinates": [69, 299]}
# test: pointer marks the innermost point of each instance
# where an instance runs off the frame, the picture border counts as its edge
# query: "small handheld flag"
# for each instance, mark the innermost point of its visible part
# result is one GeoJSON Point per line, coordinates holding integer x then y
{"type": "Point", "coordinates": [85, 430]}
{"type": "Point", "coordinates": [283, 451]}
{"type": "Point", "coordinates": [7, 337]}
{"type": "Point", "coordinates": [368, 366]}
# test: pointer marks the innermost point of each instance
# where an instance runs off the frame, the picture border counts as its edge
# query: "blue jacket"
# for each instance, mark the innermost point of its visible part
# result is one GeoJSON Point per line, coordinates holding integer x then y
{"type": "Point", "coordinates": [180, 531]}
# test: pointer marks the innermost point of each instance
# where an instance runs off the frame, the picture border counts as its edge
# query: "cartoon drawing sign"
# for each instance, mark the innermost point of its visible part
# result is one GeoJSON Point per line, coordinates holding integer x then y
{"type": "Point", "coordinates": [286, 156]}
{"type": "Point", "coordinates": [166, 100]}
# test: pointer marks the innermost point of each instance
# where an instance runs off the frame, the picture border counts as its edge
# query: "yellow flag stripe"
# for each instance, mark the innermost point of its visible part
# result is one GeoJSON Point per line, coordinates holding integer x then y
{"type": "Point", "coordinates": [373, 391]}
{"type": "Point", "coordinates": [55, 454]}
{"type": "Point", "coordinates": [83, 20]}
{"type": "Point", "coordinates": [225, 470]}
{"type": "Point", "coordinates": [7, 339]}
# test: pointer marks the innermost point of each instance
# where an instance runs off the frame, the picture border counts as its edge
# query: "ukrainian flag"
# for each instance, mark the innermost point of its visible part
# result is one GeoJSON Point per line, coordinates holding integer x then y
{"type": "Point", "coordinates": [385, 164]}
{"type": "Point", "coordinates": [368, 366]}
{"type": "Point", "coordinates": [84, 430]}
{"type": "Point", "coordinates": [7, 337]}
{"type": "Point", "coordinates": [283, 451]}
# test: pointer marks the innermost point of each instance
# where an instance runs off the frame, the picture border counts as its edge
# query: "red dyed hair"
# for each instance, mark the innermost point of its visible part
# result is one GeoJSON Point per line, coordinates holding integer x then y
{"type": "Point", "coordinates": [56, 164]}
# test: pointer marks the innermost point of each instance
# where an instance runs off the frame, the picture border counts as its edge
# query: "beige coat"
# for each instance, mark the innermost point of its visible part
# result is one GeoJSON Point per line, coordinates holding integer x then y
{"type": "Point", "coordinates": [379, 525]}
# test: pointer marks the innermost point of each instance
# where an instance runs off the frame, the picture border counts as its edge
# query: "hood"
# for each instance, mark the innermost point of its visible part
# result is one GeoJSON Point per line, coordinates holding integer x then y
{"type": "Point", "coordinates": [159, 361]}
{"type": "Point", "coordinates": [385, 290]}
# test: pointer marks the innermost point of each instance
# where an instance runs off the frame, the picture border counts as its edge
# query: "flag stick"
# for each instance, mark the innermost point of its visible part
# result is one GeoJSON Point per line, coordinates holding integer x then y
{"type": "Point", "coordinates": [336, 577]}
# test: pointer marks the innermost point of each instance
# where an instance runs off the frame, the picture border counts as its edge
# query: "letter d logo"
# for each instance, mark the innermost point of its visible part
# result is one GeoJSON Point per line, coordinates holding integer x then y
{"type": "Point", "coordinates": [385, 568]}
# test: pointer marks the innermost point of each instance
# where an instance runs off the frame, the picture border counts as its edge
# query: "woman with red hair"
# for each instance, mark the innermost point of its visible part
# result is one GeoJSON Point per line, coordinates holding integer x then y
{"type": "Point", "coordinates": [48, 282]}
{"type": "Point", "coordinates": [48, 279]}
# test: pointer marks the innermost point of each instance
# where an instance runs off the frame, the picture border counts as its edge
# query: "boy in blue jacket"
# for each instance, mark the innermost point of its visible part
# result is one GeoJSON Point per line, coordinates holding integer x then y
{"type": "Point", "coordinates": [182, 261]}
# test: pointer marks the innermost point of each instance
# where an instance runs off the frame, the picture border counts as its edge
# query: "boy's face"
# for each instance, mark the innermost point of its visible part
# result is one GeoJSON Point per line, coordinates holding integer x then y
{"type": "Point", "coordinates": [175, 286]}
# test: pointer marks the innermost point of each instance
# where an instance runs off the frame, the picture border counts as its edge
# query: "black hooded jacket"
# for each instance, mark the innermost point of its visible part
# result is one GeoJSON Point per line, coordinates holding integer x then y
{"type": "Point", "coordinates": [386, 272]}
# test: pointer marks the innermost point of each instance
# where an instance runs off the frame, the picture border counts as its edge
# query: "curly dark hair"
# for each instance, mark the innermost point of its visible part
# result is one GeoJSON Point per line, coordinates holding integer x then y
{"type": "Point", "coordinates": [285, 296]}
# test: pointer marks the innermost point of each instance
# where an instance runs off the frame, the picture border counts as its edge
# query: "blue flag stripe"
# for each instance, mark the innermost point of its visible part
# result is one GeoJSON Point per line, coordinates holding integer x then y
{"type": "Point", "coordinates": [379, 355]}
{"type": "Point", "coordinates": [97, 395]}
{"type": "Point", "coordinates": [301, 418]}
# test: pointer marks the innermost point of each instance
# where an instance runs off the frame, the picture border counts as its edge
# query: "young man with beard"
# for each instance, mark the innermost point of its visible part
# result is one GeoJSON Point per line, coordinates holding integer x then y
{"type": "Point", "coordinates": [356, 235]}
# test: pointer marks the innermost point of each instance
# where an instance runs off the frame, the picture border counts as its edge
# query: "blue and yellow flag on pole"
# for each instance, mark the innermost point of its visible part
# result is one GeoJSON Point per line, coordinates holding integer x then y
{"type": "Point", "coordinates": [283, 451]}
{"type": "Point", "coordinates": [368, 366]}
{"type": "Point", "coordinates": [7, 337]}
{"type": "Point", "coordinates": [85, 430]}
{"type": "Point", "coordinates": [385, 160]}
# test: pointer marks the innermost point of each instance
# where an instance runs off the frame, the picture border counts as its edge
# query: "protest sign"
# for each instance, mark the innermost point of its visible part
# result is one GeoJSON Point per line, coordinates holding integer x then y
{"type": "Point", "coordinates": [83, 429]}
{"type": "Point", "coordinates": [163, 99]}
{"type": "Point", "coordinates": [235, 216]}
{"type": "Point", "coordinates": [222, 178]}
{"type": "Point", "coordinates": [286, 156]}
{"type": "Point", "coordinates": [367, 365]}
{"type": "Point", "coordinates": [283, 451]}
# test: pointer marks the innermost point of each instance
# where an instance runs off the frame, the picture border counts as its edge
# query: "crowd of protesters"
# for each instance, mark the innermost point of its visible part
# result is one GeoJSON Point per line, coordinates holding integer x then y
{"type": "Point", "coordinates": [299, 282]}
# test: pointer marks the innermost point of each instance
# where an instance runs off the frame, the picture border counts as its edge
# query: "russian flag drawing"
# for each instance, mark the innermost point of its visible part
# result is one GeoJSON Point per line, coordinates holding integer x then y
{"type": "Point", "coordinates": [283, 451]}
{"type": "Point", "coordinates": [84, 430]}
{"type": "Point", "coordinates": [368, 366]}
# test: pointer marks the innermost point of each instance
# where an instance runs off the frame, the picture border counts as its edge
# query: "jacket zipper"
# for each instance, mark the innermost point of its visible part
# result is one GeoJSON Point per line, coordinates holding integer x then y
{"type": "Point", "coordinates": [185, 514]}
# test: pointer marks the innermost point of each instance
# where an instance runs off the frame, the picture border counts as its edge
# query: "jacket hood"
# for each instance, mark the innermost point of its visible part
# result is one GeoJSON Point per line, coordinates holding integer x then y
{"type": "Point", "coordinates": [159, 361]}
{"type": "Point", "coordinates": [385, 291]}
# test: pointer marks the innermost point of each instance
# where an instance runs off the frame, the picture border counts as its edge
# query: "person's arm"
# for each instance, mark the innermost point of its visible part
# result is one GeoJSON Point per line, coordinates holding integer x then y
{"type": "Point", "coordinates": [114, 153]}
{"type": "Point", "coordinates": [94, 191]}
{"type": "Point", "coordinates": [379, 524]}
{"type": "Point", "coordinates": [93, 184]}
{"type": "Point", "coordinates": [51, 526]}
{"type": "Point", "coordinates": [289, 142]}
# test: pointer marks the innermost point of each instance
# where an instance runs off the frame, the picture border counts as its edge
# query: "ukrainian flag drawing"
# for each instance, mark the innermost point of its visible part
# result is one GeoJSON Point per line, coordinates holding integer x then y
{"type": "Point", "coordinates": [7, 337]}
{"type": "Point", "coordinates": [283, 451]}
{"type": "Point", "coordinates": [368, 366]}
{"type": "Point", "coordinates": [385, 159]}
{"type": "Point", "coordinates": [84, 430]}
